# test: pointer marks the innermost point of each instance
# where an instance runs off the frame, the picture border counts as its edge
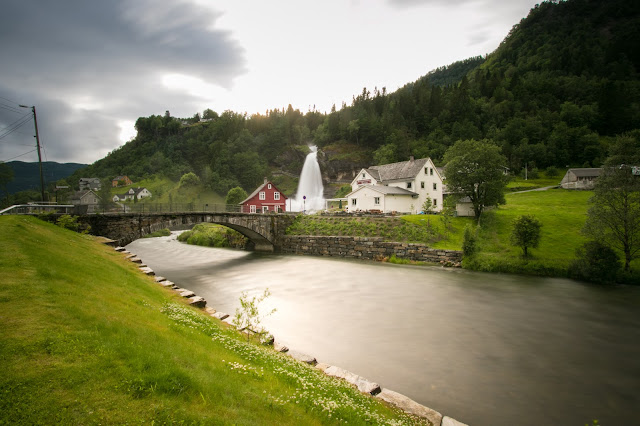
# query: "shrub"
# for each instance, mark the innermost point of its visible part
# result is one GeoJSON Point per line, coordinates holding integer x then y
{"type": "Point", "coordinates": [189, 179]}
{"type": "Point", "coordinates": [71, 222]}
{"type": "Point", "coordinates": [595, 262]}
{"type": "Point", "coordinates": [468, 241]}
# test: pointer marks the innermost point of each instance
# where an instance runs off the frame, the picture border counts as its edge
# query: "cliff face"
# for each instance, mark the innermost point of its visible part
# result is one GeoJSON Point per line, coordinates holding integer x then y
{"type": "Point", "coordinates": [340, 165]}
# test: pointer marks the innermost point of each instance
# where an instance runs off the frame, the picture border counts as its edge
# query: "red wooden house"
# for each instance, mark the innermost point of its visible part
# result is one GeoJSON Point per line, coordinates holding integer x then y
{"type": "Point", "coordinates": [266, 198]}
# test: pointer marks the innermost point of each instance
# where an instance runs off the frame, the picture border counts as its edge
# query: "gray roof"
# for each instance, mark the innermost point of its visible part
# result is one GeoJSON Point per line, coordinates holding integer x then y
{"type": "Point", "coordinates": [387, 190]}
{"type": "Point", "coordinates": [394, 171]}
{"type": "Point", "coordinates": [586, 172]}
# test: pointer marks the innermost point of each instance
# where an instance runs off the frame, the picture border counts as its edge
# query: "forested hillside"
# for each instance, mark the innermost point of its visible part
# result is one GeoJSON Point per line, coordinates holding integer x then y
{"type": "Point", "coordinates": [559, 87]}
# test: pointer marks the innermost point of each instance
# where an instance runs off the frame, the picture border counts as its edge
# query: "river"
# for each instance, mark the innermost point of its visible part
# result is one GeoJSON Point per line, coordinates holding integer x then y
{"type": "Point", "coordinates": [485, 349]}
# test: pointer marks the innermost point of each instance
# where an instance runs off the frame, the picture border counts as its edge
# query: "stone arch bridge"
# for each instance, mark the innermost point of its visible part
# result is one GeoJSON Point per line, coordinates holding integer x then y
{"type": "Point", "coordinates": [264, 231]}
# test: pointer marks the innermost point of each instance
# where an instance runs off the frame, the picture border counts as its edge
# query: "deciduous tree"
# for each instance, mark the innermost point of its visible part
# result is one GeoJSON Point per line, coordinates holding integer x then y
{"type": "Point", "coordinates": [475, 169]}
{"type": "Point", "coordinates": [526, 233]}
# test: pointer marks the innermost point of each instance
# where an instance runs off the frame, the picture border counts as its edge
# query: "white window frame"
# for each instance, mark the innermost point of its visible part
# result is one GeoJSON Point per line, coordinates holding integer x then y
{"type": "Point", "coordinates": [276, 195]}
{"type": "Point", "coordinates": [252, 208]}
{"type": "Point", "coordinates": [262, 195]}
{"type": "Point", "coordinates": [435, 202]}
{"type": "Point", "coordinates": [408, 185]}
{"type": "Point", "coordinates": [376, 201]}
{"type": "Point", "coordinates": [354, 201]}
{"type": "Point", "coordinates": [265, 209]}
{"type": "Point", "coordinates": [421, 185]}
{"type": "Point", "coordinates": [435, 186]}
{"type": "Point", "coordinates": [269, 186]}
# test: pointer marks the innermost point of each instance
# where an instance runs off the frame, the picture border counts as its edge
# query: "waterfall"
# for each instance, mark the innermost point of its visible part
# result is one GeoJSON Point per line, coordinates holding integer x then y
{"type": "Point", "coordinates": [309, 186]}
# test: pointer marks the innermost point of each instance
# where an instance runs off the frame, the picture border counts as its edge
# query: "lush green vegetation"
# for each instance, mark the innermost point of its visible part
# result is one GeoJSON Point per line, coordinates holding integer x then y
{"type": "Point", "coordinates": [161, 233]}
{"type": "Point", "coordinates": [211, 235]}
{"type": "Point", "coordinates": [390, 229]}
{"type": "Point", "coordinates": [87, 339]}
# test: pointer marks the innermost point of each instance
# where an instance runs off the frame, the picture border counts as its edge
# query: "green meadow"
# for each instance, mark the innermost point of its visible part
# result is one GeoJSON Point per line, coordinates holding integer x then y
{"type": "Point", "coordinates": [88, 339]}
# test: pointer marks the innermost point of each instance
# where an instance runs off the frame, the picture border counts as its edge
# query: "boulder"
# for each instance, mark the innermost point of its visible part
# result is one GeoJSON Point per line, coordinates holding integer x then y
{"type": "Point", "coordinates": [220, 315]}
{"type": "Point", "coordinates": [135, 259]}
{"type": "Point", "coordinates": [322, 366]}
{"type": "Point", "coordinates": [408, 405]}
{"type": "Point", "coordinates": [167, 283]}
{"type": "Point", "coordinates": [147, 270]}
{"type": "Point", "coordinates": [187, 293]}
{"type": "Point", "coordinates": [307, 359]}
{"type": "Point", "coordinates": [210, 310]}
{"type": "Point", "coordinates": [448, 421]}
{"type": "Point", "coordinates": [120, 249]}
{"type": "Point", "coordinates": [197, 301]}
{"type": "Point", "coordinates": [361, 383]}
{"type": "Point", "coordinates": [159, 279]}
{"type": "Point", "coordinates": [279, 347]}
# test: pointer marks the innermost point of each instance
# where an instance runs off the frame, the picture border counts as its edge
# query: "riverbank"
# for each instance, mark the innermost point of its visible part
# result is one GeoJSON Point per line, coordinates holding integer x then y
{"type": "Point", "coordinates": [88, 339]}
{"type": "Point", "coordinates": [561, 212]}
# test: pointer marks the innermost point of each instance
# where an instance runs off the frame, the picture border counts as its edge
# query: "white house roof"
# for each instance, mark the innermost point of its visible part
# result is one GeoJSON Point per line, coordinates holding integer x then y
{"type": "Point", "coordinates": [395, 171]}
{"type": "Point", "coordinates": [385, 190]}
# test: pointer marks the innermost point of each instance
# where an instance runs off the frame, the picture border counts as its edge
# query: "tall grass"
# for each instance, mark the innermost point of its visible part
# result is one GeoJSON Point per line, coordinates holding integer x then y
{"type": "Point", "coordinates": [87, 339]}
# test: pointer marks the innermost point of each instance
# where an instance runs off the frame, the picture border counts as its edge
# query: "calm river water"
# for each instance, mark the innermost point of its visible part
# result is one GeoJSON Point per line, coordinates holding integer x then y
{"type": "Point", "coordinates": [485, 349]}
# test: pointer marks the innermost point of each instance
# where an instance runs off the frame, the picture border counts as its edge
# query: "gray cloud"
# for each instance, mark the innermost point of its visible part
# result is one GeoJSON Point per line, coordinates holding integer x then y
{"type": "Point", "coordinates": [110, 56]}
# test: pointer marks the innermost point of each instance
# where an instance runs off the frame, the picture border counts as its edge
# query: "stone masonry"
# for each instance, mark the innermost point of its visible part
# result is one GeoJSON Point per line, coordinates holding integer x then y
{"type": "Point", "coordinates": [372, 248]}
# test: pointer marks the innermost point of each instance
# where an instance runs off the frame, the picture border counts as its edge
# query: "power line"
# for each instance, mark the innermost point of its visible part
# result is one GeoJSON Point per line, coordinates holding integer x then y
{"type": "Point", "coordinates": [10, 108]}
{"type": "Point", "coordinates": [12, 158]}
{"type": "Point", "coordinates": [15, 126]}
{"type": "Point", "coordinates": [9, 100]}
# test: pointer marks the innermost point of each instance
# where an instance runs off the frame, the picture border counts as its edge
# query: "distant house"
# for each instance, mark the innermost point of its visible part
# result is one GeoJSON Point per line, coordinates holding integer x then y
{"type": "Point", "coordinates": [266, 198]}
{"type": "Point", "coordinates": [86, 201]}
{"type": "Point", "coordinates": [89, 183]}
{"type": "Point", "coordinates": [398, 187]}
{"type": "Point", "coordinates": [580, 178]}
{"type": "Point", "coordinates": [132, 194]}
{"type": "Point", "coordinates": [120, 181]}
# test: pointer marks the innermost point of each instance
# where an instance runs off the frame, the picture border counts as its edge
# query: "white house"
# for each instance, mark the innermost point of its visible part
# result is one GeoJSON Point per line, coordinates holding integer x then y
{"type": "Point", "coordinates": [86, 201]}
{"type": "Point", "coordinates": [133, 193]}
{"type": "Point", "coordinates": [398, 187]}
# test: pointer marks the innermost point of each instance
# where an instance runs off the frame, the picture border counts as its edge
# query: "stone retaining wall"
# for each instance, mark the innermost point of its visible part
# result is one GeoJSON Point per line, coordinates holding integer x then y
{"type": "Point", "coordinates": [372, 248]}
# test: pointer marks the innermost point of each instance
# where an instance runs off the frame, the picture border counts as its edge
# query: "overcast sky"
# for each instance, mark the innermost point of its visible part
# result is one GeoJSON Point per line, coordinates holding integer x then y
{"type": "Point", "coordinates": [91, 68]}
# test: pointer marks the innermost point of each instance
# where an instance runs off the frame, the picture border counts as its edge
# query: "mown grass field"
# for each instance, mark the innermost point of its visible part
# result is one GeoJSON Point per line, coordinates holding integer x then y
{"type": "Point", "coordinates": [87, 339]}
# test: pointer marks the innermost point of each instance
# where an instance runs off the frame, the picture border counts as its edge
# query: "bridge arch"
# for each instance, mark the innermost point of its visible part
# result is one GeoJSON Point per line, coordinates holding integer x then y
{"type": "Point", "coordinates": [264, 231]}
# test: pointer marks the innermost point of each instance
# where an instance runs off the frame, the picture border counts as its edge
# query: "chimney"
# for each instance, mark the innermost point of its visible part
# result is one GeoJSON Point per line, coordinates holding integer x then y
{"type": "Point", "coordinates": [411, 158]}
{"type": "Point", "coordinates": [265, 180]}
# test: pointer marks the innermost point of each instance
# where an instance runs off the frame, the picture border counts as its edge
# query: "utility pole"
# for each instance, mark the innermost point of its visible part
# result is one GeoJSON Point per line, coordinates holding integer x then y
{"type": "Point", "coordinates": [35, 122]}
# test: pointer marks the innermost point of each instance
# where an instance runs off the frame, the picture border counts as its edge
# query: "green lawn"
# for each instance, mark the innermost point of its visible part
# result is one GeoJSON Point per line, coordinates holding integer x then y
{"type": "Point", "coordinates": [562, 214]}
{"type": "Point", "coordinates": [87, 339]}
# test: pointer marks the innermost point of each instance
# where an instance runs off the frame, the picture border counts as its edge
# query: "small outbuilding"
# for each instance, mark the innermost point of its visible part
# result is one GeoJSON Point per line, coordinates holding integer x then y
{"type": "Point", "coordinates": [266, 198]}
{"type": "Point", "coordinates": [85, 201]}
{"type": "Point", "coordinates": [584, 178]}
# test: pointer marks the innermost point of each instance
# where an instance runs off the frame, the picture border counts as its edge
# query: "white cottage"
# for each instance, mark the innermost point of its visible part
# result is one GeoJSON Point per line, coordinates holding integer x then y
{"type": "Point", "coordinates": [133, 193]}
{"type": "Point", "coordinates": [398, 187]}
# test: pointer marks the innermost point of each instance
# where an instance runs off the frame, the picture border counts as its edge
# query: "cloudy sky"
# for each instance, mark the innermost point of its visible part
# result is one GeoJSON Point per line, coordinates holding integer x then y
{"type": "Point", "coordinates": [91, 68]}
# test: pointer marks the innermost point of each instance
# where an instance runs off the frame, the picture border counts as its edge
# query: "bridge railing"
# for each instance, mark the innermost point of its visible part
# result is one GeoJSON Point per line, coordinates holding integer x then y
{"type": "Point", "coordinates": [38, 209]}
{"type": "Point", "coordinates": [141, 207]}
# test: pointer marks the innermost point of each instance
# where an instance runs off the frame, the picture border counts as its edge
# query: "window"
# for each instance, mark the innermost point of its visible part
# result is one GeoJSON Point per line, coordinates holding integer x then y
{"type": "Point", "coordinates": [262, 195]}
{"type": "Point", "coordinates": [354, 201]}
{"type": "Point", "coordinates": [363, 176]}
{"type": "Point", "coordinates": [265, 209]}
{"type": "Point", "coordinates": [422, 185]}
{"type": "Point", "coordinates": [426, 170]}
{"type": "Point", "coordinates": [435, 186]}
{"type": "Point", "coordinates": [276, 195]}
{"type": "Point", "coordinates": [435, 202]}
{"type": "Point", "coordinates": [252, 209]}
{"type": "Point", "coordinates": [431, 171]}
{"type": "Point", "coordinates": [269, 186]}
{"type": "Point", "coordinates": [408, 185]}
{"type": "Point", "coordinates": [376, 201]}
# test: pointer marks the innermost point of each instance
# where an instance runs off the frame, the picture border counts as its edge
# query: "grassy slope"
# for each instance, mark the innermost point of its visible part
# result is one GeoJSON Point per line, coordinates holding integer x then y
{"type": "Point", "coordinates": [164, 189]}
{"type": "Point", "coordinates": [562, 214]}
{"type": "Point", "coordinates": [86, 338]}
